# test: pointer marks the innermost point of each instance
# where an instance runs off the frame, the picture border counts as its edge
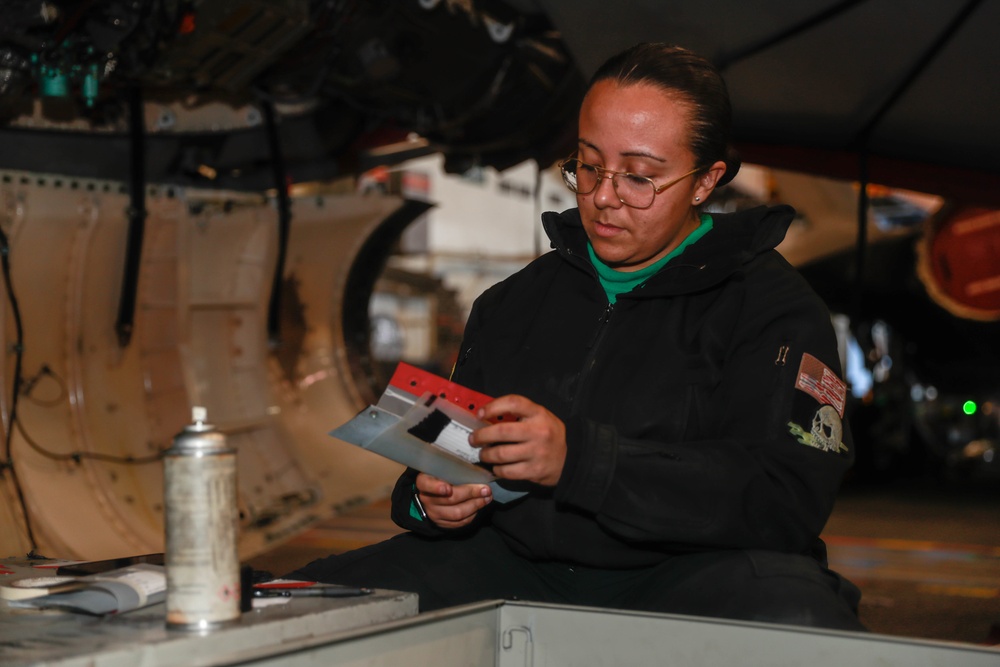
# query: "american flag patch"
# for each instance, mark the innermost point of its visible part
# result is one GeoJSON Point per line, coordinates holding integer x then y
{"type": "Point", "coordinates": [821, 383]}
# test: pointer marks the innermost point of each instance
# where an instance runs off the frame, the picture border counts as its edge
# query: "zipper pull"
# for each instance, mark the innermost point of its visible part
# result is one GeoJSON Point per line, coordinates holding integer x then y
{"type": "Point", "coordinates": [782, 355]}
{"type": "Point", "coordinates": [601, 322]}
{"type": "Point", "coordinates": [606, 315]}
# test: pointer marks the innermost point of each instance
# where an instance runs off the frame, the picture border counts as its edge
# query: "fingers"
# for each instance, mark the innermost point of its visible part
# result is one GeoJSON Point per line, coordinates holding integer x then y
{"type": "Point", "coordinates": [529, 444]}
{"type": "Point", "coordinates": [527, 462]}
{"type": "Point", "coordinates": [451, 505]}
{"type": "Point", "coordinates": [534, 429]}
{"type": "Point", "coordinates": [511, 420]}
{"type": "Point", "coordinates": [509, 408]}
{"type": "Point", "coordinates": [432, 486]}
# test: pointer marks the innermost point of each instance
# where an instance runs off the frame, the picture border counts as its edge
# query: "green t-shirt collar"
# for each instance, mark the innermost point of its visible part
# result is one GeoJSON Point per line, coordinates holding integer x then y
{"type": "Point", "coordinates": [617, 282]}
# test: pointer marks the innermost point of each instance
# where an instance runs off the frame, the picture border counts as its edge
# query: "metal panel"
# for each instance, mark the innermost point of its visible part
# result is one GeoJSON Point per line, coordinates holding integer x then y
{"type": "Point", "coordinates": [200, 338]}
{"type": "Point", "coordinates": [310, 633]}
{"type": "Point", "coordinates": [515, 634]}
{"type": "Point", "coordinates": [463, 637]}
{"type": "Point", "coordinates": [549, 635]}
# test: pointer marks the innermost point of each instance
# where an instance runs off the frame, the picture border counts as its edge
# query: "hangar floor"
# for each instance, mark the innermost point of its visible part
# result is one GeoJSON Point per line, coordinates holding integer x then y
{"type": "Point", "coordinates": [926, 554]}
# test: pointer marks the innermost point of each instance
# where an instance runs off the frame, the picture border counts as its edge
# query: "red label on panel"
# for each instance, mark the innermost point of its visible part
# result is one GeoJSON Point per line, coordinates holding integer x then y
{"type": "Point", "coordinates": [418, 382]}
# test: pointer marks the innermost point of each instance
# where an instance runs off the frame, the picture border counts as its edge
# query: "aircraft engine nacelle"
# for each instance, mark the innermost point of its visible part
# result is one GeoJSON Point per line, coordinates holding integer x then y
{"type": "Point", "coordinates": [91, 417]}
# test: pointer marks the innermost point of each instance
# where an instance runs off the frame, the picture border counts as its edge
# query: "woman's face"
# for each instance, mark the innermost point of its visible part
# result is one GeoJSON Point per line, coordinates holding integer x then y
{"type": "Point", "coordinates": [640, 129]}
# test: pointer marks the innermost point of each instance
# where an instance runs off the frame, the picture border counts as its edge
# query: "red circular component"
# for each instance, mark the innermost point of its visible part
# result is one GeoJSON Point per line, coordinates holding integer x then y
{"type": "Point", "coordinates": [965, 258]}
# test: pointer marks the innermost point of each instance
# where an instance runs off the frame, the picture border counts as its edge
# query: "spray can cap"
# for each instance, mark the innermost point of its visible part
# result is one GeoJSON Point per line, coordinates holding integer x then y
{"type": "Point", "coordinates": [199, 421]}
{"type": "Point", "coordinates": [199, 414]}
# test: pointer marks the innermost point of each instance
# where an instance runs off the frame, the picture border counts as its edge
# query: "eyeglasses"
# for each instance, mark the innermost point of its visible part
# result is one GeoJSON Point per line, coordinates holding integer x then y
{"type": "Point", "coordinates": [632, 190]}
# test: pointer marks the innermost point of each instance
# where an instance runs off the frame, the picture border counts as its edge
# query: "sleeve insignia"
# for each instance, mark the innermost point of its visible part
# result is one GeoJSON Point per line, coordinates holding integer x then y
{"type": "Point", "coordinates": [825, 432]}
{"type": "Point", "coordinates": [817, 380]}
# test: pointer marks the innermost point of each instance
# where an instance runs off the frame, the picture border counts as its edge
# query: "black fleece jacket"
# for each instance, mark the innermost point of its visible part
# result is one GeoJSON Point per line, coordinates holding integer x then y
{"type": "Point", "coordinates": [703, 409]}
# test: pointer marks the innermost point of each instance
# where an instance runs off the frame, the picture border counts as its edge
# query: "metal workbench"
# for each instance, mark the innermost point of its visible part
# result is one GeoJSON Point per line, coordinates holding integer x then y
{"type": "Point", "coordinates": [384, 629]}
{"type": "Point", "coordinates": [52, 638]}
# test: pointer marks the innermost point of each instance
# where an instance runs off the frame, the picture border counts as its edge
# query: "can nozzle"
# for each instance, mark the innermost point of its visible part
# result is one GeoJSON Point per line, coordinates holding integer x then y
{"type": "Point", "coordinates": [198, 414]}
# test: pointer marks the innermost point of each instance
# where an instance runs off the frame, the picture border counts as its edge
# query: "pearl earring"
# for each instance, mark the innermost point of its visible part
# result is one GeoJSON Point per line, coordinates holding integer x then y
{"type": "Point", "coordinates": [697, 198]}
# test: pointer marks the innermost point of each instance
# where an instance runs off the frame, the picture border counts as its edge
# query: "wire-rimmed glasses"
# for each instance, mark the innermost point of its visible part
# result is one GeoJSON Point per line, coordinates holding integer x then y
{"type": "Point", "coordinates": [631, 189]}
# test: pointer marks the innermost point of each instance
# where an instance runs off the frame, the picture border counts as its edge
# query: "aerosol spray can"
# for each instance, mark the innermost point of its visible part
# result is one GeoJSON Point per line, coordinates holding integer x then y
{"type": "Point", "coordinates": [202, 564]}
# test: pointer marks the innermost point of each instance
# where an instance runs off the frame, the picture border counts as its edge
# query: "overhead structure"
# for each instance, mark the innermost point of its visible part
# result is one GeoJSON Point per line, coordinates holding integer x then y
{"type": "Point", "coordinates": [819, 84]}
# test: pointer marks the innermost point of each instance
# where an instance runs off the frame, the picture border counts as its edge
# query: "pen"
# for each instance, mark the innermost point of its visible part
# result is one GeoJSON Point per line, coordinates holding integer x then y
{"type": "Point", "coordinates": [313, 591]}
{"type": "Point", "coordinates": [419, 506]}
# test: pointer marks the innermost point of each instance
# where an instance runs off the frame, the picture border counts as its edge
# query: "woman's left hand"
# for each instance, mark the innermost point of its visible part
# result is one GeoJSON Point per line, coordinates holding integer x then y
{"type": "Point", "coordinates": [528, 444]}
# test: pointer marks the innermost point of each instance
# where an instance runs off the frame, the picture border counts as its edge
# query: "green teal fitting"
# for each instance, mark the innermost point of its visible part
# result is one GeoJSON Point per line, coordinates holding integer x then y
{"type": "Point", "coordinates": [90, 85]}
{"type": "Point", "coordinates": [53, 82]}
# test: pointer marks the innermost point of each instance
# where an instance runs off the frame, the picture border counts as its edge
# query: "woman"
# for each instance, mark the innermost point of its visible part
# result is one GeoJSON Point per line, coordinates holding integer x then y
{"type": "Point", "coordinates": [675, 388]}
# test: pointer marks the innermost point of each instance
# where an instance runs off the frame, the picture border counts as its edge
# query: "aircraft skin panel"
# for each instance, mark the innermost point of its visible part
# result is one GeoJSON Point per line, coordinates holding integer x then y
{"type": "Point", "coordinates": [321, 394]}
{"type": "Point", "coordinates": [55, 246]}
{"type": "Point", "coordinates": [199, 338]}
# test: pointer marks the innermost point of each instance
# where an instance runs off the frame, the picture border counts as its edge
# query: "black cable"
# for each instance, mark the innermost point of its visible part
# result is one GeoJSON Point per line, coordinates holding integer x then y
{"type": "Point", "coordinates": [864, 140]}
{"type": "Point", "coordinates": [861, 246]}
{"type": "Point", "coordinates": [8, 461]}
{"type": "Point", "coordinates": [947, 34]}
{"type": "Point", "coordinates": [18, 387]}
{"type": "Point", "coordinates": [27, 386]}
{"type": "Point", "coordinates": [280, 174]}
{"type": "Point", "coordinates": [78, 456]}
{"type": "Point", "coordinates": [808, 23]}
{"type": "Point", "coordinates": [136, 218]}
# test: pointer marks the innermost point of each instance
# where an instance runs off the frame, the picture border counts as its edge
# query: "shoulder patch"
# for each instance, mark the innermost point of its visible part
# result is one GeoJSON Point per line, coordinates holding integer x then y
{"type": "Point", "coordinates": [817, 380]}
{"type": "Point", "coordinates": [825, 432]}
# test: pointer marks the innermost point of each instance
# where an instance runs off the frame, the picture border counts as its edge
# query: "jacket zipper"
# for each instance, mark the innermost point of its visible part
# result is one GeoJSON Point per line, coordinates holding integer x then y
{"type": "Point", "coordinates": [602, 323]}
{"type": "Point", "coordinates": [595, 344]}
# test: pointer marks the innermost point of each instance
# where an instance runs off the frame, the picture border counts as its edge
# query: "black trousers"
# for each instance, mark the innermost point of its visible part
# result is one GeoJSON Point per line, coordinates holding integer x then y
{"type": "Point", "coordinates": [747, 585]}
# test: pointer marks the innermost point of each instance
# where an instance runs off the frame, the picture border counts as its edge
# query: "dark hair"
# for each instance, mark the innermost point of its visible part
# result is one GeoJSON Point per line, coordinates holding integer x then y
{"type": "Point", "coordinates": [696, 82]}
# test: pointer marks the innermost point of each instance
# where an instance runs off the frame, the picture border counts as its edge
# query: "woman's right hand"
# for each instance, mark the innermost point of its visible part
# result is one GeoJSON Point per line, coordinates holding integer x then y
{"type": "Point", "coordinates": [451, 505]}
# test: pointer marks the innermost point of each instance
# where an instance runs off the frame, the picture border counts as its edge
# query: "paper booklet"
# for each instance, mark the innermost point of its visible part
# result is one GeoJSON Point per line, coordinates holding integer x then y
{"type": "Point", "coordinates": [423, 421]}
{"type": "Point", "coordinates": [115, 591]}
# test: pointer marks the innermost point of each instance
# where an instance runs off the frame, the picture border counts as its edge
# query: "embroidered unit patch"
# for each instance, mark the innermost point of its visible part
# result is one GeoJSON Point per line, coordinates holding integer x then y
{"type": "Point", "coordinates": [825, 432]}
{"type": "Point", "coordinates": [817, 380]}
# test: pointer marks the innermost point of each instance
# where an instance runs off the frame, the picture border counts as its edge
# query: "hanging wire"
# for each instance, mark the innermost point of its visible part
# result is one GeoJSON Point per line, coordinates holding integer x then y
{"type": "Point", "coordinates": [864, 140]}
{"type": "Point", "coordinates": [21, 387]}
{"type": "Point", "coordinates": [280, 174]}
{"type": "Point", "coordinates": [727, 60]}
{"type": "Point", "coordinates": [7, 465]}
{"type": "Point", "coordinates": [861, 246]}
{"type": "Point", "coordinates": [78, 456]}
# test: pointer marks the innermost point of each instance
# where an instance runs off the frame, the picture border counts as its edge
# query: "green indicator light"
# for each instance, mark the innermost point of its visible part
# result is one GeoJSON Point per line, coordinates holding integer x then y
{"type": "Point", "coordinates": [969, 407]}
